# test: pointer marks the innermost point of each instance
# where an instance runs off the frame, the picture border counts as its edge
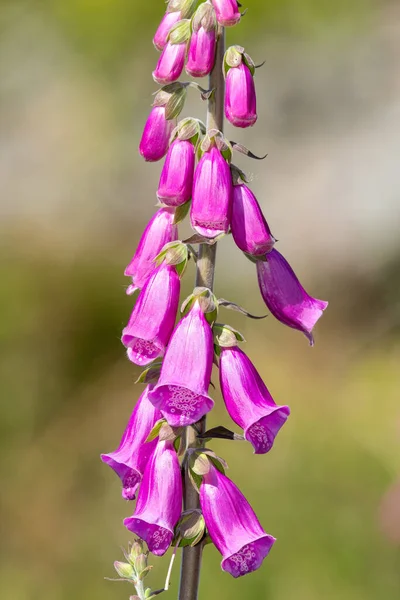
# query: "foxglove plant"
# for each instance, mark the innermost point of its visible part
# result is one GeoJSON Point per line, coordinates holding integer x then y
{"type": "Point", "coordinates": [184, 498]}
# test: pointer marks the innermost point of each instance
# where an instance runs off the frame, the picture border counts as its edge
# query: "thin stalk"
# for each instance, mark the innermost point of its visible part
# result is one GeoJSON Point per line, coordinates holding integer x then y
{"type": "Point", "coordinates": [191, 559]}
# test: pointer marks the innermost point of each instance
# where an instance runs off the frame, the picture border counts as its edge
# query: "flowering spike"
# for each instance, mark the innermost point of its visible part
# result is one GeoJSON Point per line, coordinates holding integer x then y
{"type": "Point", "coordinates": [248, 401]}
{"type": "Point", "coordinates": [159, 500]}
{"type": "Point", "coordinates": [232, 525]}
{"type": "Point", "coordinates": [159, 231]}
{"type": "Point", "coordinates": [154, 143]}
{"type": "Point", "coordinates": [176, 181]}
{"type": "Point", "coordinates": [132, 454]}
{"type": "Point", "coordinates": [249, 227]}
{"type": "Point", "coordinates": [182, 390]}
{"type": "Point", "coordinates": [285, 297]}
{"type": "Point", "coordinates": [212, 194]}
{"type": "Point", "coordinates": [152, 320]}
{"type": "Point", "coordinates": [168, 21]}
{"type": "Point", "coordinates": [227, 12]}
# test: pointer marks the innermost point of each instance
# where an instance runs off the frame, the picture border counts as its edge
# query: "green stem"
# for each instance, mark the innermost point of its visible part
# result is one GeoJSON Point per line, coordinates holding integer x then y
{"type": "Point", "coordinates": [191, 559]}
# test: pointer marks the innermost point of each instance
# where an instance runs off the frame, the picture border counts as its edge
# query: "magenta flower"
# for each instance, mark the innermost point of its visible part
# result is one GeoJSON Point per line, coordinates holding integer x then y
{"type": "Point", "coordinates": [181, 393]}
{"type": "Point", "coordinates": [201, 52]}
{"type": "Point", "coordinates": [249, 227]}
{"type": "Point", "coordinates": [176, 181]}
{"type": "Point", "coordinates": [159, 231]}
{"type": "Point", "coordinates": [233, 525]}
{"type": "Point", "coordinates": [159, 502]}
{"type": "Point", "coordinates": [285, 297]}
{"type": "Point", "coordinates": [240, 98]}
{"type": "Point", "coordinates": [133, 453]}
{"type": "Point", "coordinates": [227, 12]}
{"type": "Point", "coordinates": [170, 64]}
{"type": "Point", "coordinates": [152, 320]}
{"type": "Point", "coordinates": [248, 401]}
{"type": "Point", "coordinates": [212, 195]}
{"type": "Point", "coordinates": [168, 21]}
{"type": "Point", "coordinates": [155, 138]}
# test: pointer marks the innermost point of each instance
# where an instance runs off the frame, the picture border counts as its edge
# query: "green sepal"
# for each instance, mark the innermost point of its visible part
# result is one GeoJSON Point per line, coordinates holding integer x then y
{"type": "Point", "coordinates": [226, 336]}
{"type": "Point", "coordinates": [154, 433]}
{"type": "Point", "coordinates": [181, 212]}
{"type": "Point", "coordinates": [150, 375]}
{"type": "Point", "coordinates": [190, 528]}
{"type": "Point", "coordinates": [179, 33]}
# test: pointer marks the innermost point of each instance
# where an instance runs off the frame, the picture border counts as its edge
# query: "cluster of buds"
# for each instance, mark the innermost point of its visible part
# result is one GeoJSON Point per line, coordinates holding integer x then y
{"type": "Point", "coordinates": [199, 180]}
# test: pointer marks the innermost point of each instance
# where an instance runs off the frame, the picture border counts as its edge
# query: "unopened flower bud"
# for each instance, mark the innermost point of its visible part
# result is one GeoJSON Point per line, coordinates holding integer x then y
{"type": "Point", "coordinates": [240, 98]}
{"type": "Point", "coordinates": [249, 227]}
{"type": "Point", "coordinates": [171, 62]}
{"type": "Point", "coordinates": [154, 143]}
{"type": "Point", "coordinates": [168, 21]}
{"type": "Point", "coordinates": [135, 550]}
{"type": "Point", "coordinates": [212, 195]}
{"type": "Point", "coordinates": [203, 42]}
{"type": "Point", "coordinates": [176, 181]}
{"type": "Point", "coordinates": [124, 570]}
{"type": "Point", "coordinates": [227, 12]}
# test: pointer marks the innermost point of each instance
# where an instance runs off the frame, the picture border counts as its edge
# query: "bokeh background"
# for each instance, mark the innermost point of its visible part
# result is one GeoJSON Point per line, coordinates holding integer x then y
{"type": "Point", "coordinates": [75, 88]}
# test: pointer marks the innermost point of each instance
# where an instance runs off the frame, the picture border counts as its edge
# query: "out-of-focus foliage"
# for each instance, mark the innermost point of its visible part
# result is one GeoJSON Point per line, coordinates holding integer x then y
{"type": "Point", "coordinates": [75, 200]}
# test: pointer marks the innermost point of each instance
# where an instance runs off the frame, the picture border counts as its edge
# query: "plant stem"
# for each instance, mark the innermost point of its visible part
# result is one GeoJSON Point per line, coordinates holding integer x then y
{"type": "Point", "coordinates": [191, 559]}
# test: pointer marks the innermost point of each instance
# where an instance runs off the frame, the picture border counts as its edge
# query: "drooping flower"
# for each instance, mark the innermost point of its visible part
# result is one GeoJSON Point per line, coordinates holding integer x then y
{"type": "Point", "coordinates": [212, 194]}
{"type": "Point", "coordinates": [285, 297]}
{"type": "Point", "coordinates": [240, 98]}
{"type": "Point", "coordinates": [168, 21]}
{"type": "Point", "coordinates": [170, 64]}
{"type": "Point", "coordinates": [232, 525]}
{"type": "Point", "coordinates": [153, 317]}
{"type": "Point", "coordinates": [155, 138]}
{"type": "Point", "coordinates": [249, 227]}
{"type": "Point", "coordinates": [227, 12]}
{"type": "Point", "coordinates": [248, 401]}
{"type": "Point", "coordinates": [176, 181]}
{"type": "Point", "coordinates": [181, 393]}
{"type": "Point", "coordinates": [133, 453]}
{"type": "Point", "coordinates": [201, 55]}
{"type": "Point", "coordinates": [159, 231]}
{"type": "Point", "coordinates": [159, 502]}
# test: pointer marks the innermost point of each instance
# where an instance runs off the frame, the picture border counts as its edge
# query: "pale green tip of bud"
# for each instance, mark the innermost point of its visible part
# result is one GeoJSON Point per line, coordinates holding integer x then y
{"type": "Point", "coordinates": [124, 570]}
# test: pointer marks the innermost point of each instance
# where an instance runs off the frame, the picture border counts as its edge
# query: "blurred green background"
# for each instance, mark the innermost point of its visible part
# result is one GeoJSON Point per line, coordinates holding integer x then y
{"type": "Point", "coordinates": [75, 89]}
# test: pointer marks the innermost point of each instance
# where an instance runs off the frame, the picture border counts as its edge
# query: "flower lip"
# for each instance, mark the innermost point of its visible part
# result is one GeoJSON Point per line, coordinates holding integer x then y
{"type": "Point", "coordinates": [158, 537]}
{"type": "Point", "coordinates": [262, 433]}
{"type": "Point", "coordinates": [130, 477]}
{"type": "Point", "coordinates": [248, 558]}
{"type": "Point", "coordinates": [180, 405]}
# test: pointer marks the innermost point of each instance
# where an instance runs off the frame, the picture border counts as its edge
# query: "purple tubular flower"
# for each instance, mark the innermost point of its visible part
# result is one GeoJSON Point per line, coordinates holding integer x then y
{"type": "Point", "coordinates": [233, 525]}
{"type": "Point", "coordinates": [212, 195]}
{"type": "Point", "coordinates": [152, 320]}
{"type": "Point", "coordinates": [176, 181]}
{"type": "Point", "coordinates": [159, 231]}
{"type": "Point", "coordinates": [168, 21]}
{"type": "Point", "coordinates": [159, 502]}
{"type": "Point", "coordinates": [181, 393]}
{"type": "Point", "coordinates": [201, 54]}
{"type": "Point", "coordinates": [170, 64]}
{"type": "Point", "coordinates": [155, 138]}
{"type": "Point", "coordinates": [227, 12]}
{"type": "Point", "coordinates": [133, 453]}
{"type": "Point", "coordinates": [249, 227]}
{"type": "Point", "coordinates": [240, 98]}
{"type": "Point", "coordinates": [285, 297]}
{"type": "Point", "coordinates": [248, 401]}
